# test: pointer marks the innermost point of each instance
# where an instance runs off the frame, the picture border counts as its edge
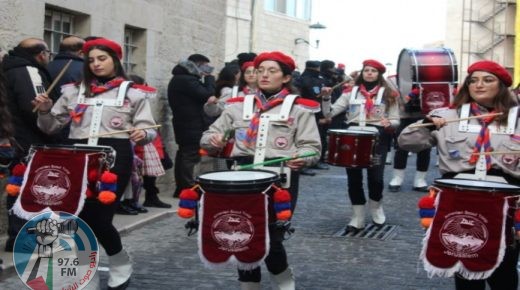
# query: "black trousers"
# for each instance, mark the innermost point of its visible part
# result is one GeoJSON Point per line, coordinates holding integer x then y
{"type": "Point", "coordinates": [375, 175]}
{"type": "Point", "coordinates": [99, 216]}
{"type": "Point", "coordinates": [505, 277]}
{"type": "Point", "coordinates": [186, 158]}
{"type": "Point", "coordinates": [276, 260]}
{"type": "Point", "coordinates": [401, 156]}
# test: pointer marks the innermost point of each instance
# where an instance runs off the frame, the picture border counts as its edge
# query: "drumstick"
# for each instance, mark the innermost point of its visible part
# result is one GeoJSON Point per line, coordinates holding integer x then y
{"type": "Point", "coordinates": [250, 166]}
{"type": "Point", "coordinates": [335, 87]}
{"type": "Point", "coordinates": [456, 120]}
{"type": "Point", "coordinates": [124, 131]}
{"type": "Point", "coordinates": [496, 152]}
{"type": "Point", "coordinates": [55, 82]}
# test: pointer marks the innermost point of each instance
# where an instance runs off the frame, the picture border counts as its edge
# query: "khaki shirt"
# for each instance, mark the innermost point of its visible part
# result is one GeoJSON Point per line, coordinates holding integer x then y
{"type": "Point", "coordinates": [298, 135]}
{"type": "Point", "coordinates": [135, 113]}
{"type": "Point", "coordinates": [455, 147]}
{"type": "Point", "coordinates": [342, 104]}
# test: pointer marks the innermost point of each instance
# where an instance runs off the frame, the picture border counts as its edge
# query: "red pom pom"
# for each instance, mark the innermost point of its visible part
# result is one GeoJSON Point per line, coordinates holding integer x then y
{"type": "Point", "coordinates": [517, 216]}
{"type": "Point", "coordinates": [92, 176]}
{"type": "Point", "coordinates": [106, 197]}
{"type": "Point", "coordinates": [282, 195]}
{"type": "Point", "coordinates": [189, 194]}
{"type": "Point", "coordinates": [19, 169]}
{"type": "Point", "coordinates": [89, 193]}
{"type": "Point", "coordinates": [185, 212]}
{"type": "Point", "coordinates": [284, 215]}
{"type": "Point", "coordinates": [108, 177]}
{"type": "Point", "coordinates": [426, 202]}
{"type": "Point", "coordinates": [12, 189]}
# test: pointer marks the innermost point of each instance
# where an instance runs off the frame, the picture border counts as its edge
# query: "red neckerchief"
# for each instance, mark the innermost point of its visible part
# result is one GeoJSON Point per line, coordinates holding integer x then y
{"type": "Point", "coordinates": [369, 95]}
{"type": "Point", "coordinates": [483, 138]}
{"type": "Point", "coordinates": [97, 88]}
{"type": "Point", "coordinates": [248, 91]}
{"type": "Point", "coordinates": [262, 105]}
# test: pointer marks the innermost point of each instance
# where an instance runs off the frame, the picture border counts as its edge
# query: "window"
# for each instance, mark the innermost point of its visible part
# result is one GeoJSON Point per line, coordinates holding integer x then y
{"type": "Point", "coordinates": [134, 51]}
{"type": "Point", "coordinates": [293, 8]}
{"type": "Point", "coordinates": [57, 25]}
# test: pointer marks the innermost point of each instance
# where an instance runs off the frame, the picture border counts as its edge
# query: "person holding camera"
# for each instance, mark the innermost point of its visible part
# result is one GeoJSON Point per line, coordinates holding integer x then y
{"type": "Point", "coordinates": [410, 113]}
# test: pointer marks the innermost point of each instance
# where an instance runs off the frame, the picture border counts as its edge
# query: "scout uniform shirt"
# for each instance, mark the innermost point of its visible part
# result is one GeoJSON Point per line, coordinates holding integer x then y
{"type": "Point", "coordinates": [135, 112]}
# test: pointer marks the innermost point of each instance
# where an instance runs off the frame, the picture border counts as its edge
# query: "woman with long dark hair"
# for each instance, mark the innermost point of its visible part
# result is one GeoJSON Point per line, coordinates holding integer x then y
{"type": "Point", "coordinates": [104, 77]}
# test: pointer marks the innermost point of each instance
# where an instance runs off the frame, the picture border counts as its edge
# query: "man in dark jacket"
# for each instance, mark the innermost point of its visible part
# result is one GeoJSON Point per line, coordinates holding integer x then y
{"type": "Point", "coordinates": [189, 89]}
{"type": "Point", "coordinates": [26, 76]}
{"type": "Point", "coordinates": [70, 49]}
{"type": "Point", "coordinates": [310, 84]}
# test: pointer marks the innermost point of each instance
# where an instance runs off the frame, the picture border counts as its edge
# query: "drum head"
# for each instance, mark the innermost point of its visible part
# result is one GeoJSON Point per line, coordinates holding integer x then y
{"type": "Point", "coordinates": [241, 181]}
{"type": "Point", "coordinates": [353, 132]}
{"type": "Point", "coordinates": [480, 185]}
{"type": "Point", "coordinates": [405, 72]}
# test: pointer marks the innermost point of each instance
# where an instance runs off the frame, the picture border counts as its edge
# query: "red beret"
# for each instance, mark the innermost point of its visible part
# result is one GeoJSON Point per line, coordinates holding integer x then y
{"type": "Point", "coordinates": [375, 64]}
{"type": "Point", "coordinates": [276, 56]}
{"type": "Point", "coordinates": [247, 64]}
{"type": "Point", "coordinates": [114, 46]}
{"type": "Point", "coordinates": [492, 67]}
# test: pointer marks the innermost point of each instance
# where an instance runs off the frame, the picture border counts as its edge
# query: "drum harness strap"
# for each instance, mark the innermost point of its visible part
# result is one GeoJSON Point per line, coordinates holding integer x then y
{"type": "Point", "coordinates": [263, 127]}
{"type": "Point", "coordinates": [361, 102]}
{"type": "Point", "coordinates": [464, 126]}
{"type": "Point", "coordinates": [98, 104]}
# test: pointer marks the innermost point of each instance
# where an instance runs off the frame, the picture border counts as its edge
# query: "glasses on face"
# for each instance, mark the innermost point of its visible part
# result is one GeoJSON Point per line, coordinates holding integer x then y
{"type": "Point", "coordinates": [270, 71]}
{"type": "Point", "coordinates": [488, 80]}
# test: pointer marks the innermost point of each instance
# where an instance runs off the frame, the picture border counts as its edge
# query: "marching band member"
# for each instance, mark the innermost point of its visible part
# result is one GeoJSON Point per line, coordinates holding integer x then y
{"type": "Point", "coordinates": [484, 91]}
{"type": "Point", "coordinates": [103, 104]}
{"type": "Point", "coordinates": [292, 131]}
{"type": "Point", "coordinates": [372, 102]}
{"type": "Point", "coordinates": [248, 79]}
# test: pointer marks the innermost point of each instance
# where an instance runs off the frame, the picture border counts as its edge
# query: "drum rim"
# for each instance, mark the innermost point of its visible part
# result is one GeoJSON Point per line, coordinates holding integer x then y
{"type": "Point", "coordinates": [343, 131]}
{"type": "Point", "coordinates": [510, 188]}
{"type": "Point", "coordinates": [273, 178]}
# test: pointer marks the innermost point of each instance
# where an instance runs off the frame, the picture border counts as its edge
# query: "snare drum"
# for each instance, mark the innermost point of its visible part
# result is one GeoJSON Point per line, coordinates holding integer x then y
{"type": "Point", "coordinates": [234, 217]}
{"type": "Point", "coordinates": [242, 181]}
{"type": "Point", "coordinates": [352, 148]}
{"type": "Point", "coordinates": [58, 177]}
{"type": "Point", "coordinates": [472, 223]}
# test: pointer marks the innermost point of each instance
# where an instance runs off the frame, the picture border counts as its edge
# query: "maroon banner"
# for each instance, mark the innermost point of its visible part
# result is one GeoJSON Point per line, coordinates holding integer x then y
{"type": "Point", "coordinates": [467, 234]}
{"type": "Point", "coordinates": [54, 181]}
{"type": "Point", "coordinates": [233, 229]}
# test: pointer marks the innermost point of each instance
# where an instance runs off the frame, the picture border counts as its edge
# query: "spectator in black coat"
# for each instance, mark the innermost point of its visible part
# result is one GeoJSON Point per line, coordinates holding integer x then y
{"type": "Point", "coordinates": [26, 75]}
{"type": "Point", "coordinates": [189, 89]}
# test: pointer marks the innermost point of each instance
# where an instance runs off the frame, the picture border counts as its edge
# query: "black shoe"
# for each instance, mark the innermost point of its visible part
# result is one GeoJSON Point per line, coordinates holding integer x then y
{"type": "Point", "coordinates": [138, 208]}
{"type": "Point", "coordinates": [125, 210]}
{"type": "Point", "coordinates": [155, 202]}
{"type": "Point", "coordinates": [394, 188]}
{"type": "Point", "coordinates": [351, 230]}
{"type": "Point", "coordinates": [307, 171]}
{"type": "Point", "coordinates": [421, 189]}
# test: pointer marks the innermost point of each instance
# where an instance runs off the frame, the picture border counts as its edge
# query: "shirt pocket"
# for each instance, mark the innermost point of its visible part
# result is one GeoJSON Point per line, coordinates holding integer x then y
{"type": "Point", "coordinates": [240, 128]}
{"type": "Point", "coordinates": [510, 161]}
{"type": "Point", "coordinates": [458, 147]}
{"type": "Point", "coordinates": [281, 135]}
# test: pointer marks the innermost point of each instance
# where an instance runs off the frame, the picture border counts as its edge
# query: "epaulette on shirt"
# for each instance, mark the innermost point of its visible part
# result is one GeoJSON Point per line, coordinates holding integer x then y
{"type": "Point", "coordinates": [347, 90]}
{"type": "Point", "coordinates": [308, 104]}
{"type": "Point", "coordinates": [146, 89]}
{"type": "Point", "coordinates": [235, 100]}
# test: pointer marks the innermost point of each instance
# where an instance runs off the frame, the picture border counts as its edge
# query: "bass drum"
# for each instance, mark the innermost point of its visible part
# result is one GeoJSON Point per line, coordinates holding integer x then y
{"type": "Point", "coordinates": [434, 70]}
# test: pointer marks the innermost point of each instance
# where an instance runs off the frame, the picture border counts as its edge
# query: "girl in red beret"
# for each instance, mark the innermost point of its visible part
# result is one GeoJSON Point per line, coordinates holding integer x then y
{"type": "Point", "coordinates": [477, 155]}
{"type": "Point", "coordinates": [371, 106]}
{"type": "Point", "coordinates": [286, 125]}
{"type": "Point", "coordinates": [125, 108]}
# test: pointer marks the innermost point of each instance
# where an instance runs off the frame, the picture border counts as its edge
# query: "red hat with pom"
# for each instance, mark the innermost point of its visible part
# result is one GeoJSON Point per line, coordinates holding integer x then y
{"type": "Point", "coordinates": [375, 64]}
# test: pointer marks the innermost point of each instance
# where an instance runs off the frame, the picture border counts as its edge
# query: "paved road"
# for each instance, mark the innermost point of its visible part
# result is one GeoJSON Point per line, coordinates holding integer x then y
{"type": "Point", "coordinates": [165, 258]}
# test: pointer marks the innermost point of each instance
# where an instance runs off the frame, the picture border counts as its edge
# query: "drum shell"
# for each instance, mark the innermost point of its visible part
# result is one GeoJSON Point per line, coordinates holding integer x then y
{"type": "Point", "coordinates": [230, 182]}
{"type": "Point", "coordinates": [352, 148]}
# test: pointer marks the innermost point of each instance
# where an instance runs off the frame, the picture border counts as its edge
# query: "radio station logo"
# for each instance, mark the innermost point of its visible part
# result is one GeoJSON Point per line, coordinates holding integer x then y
{"type": "Point", "coordinates": [56, 250]}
